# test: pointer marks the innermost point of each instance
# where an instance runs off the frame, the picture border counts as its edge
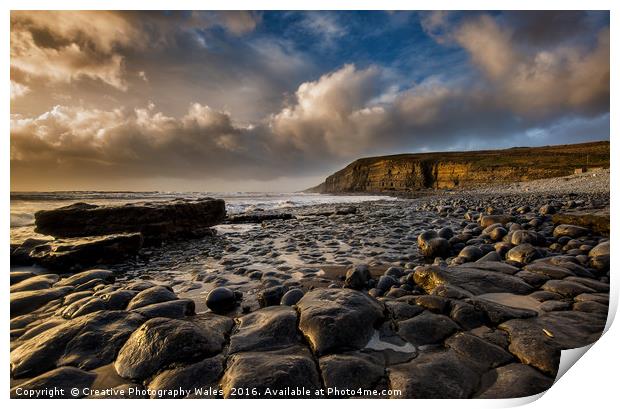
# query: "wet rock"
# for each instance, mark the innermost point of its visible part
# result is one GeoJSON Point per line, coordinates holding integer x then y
{"type": "Point", "coordinates": [466, 315]}
{"type": "Point", "coordinates": [435, 375]}
{"type": "Point", "coordinates": [60, 380]}
{"type": "Point", "coordinates": [400, 310]}
{"type": "Point", "coordinates": [93, 304]}
{"type": "Point", "coordinates": [274, 370]}
{"type": "Point", "coordinates": [433, 303]}
{"type": "Point", "coordinates": [523, 253]}
{"type": "Point", "coordinates": [86, 342]}
{"type": "Point", "coordinates": [470, 253]}
{"type": "Point", "coordinates": [539, 341]}
{"type": "Point", "coordinates": [357, 277]}
{"type": "Point", "coordinates": [497, 233]}
{"type": "Point", "coordinates": [475, 281]}
{"type": "Point", "coordinates": [39, 282]}
{"type": "Point", "coordinates": [156, 221]}
{"type": "Point", "coordinates": [484, 353]}
{"type": "Point", "coordinates": [118, 299]}
{"type": "Point", "coordinates": [168, 309]}
{"type": "Point", "coordinates": [486, 221]}
{"type": "Point", "coordinates": [599, 256]}
{"type": "Point", "coordinates": [599, 298]}
{"type": "Point", "coordinates": [72, 254]}
{"type": "Point", "coordinates": [150, 296]}
{"type": "Point", "coordinates": [338, 319]}
{"type": "Point", "coordinates": [591, 307]}
{"type": "Point", "coordinates": [570, 230]}
{"type": "Point", "coordinates": [271, 296]}
{"type": "Point", "coordinates": [291, 297]}
{"type": "Point", "coordinates": [518, 237]}
{"type": "Point", "coordinates": [596, 285]}
{"type": "Point", "coordinates": [221, 300]}
{"type": "Point", "coordinates": [431, 245]}
{"type": "Point", "coordinates": [266, 329]}
{"type": "Point", "coordinates": [19, 276]}
{"type": "Point", "coordinates": [86, 276]}
{"type": "Point", "coordinates": [351, 371]}
{"type": "Point", "coordinates": [202, 374]}
{"type": "Point", "coordinates": [566, 288]}
{"type": "Point", "coordinates": [35, 330]}
{"type": "Point", "coordinates": [24, 302]}
{"type": "Point", "coordinates": [160, 342]}
{"type": "Point", "coordinates": [548, 270]}
{"type": "Point", "coordinates": [554, 305]}
{"type": "Point", "coordinates": [513, 381]}
{"type": "Point", "coordinates": [426, 328]}
{"type": "Point", "coordinates": [385, 283]}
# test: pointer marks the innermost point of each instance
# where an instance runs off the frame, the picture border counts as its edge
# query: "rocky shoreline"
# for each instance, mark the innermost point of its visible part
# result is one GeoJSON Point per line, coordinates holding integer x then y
{"type": "Point", "coordinates": [462, 295]}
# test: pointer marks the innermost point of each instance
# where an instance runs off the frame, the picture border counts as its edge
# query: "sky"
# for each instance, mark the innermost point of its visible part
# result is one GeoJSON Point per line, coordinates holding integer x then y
{"type": "Point", "coordinates": [277, 101]}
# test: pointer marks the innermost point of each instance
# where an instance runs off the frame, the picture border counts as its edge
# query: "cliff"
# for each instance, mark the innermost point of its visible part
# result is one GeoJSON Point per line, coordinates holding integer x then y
{"type": "Point", "coordinates": [454, 170]}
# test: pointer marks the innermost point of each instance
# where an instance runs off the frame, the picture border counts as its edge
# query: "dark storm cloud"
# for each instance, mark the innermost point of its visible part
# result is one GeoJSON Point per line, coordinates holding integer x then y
{"type": "Point", "coordinates": [523, 84]}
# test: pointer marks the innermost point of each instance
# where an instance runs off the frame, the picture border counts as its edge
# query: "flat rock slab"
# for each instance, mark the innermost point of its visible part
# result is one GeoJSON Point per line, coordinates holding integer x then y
{"type": "Point", "coordinates": [266, 329]}
{"type": "Point", "coordinates": [470, 279]}
{"type": "Point", "coordinates": [40, 282]}
{"type": "Point", "coordinates": [513, 381]}
{"type": "Point", "coordinates": [440, 374]}
{"type": "Point", "coordinates": [566, 288]}
{"type": "Point", "coordinates": [596, 220]}
{"type": "Point", "coordinates": [156, 221]}
{"type": "Point", "coordinates": [338, 319]}
{"type": "Point", "coordinates": [61, 380]}
{"type": "Point", "coordinates": [539, 341]}
{"type": "Point", "coordinates": [160, 342]}
{"type": "Point", "coordinates": [270, 371]}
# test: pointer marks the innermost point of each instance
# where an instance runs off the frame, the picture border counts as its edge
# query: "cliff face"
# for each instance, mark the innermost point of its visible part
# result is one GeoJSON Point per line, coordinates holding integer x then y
{"type": "Point", "coordinates": [450, 170]}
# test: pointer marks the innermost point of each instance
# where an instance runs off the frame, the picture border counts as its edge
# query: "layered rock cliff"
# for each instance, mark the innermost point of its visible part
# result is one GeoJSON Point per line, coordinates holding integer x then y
{"type": "Point", "coordinates": [453, 170]}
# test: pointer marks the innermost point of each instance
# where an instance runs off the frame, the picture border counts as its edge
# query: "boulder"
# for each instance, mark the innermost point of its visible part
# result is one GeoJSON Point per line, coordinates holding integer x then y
{"type": "Point", "coordinates": [221, 300]}
{"type": "Point", "coordinates": [357, 277]}
{"type": "Point", "coordinates": [24, 302]}
{"type": "Point", "coordinates": [473, 280]}
{"type": "Point", "coordinates": [39, 282]}
{"type": "Point", "coordinates": [353, 370]}
{"type": "Point", "coordinates": [523, 253]}
{"type": "Point", "coordinates": [440, 374]}
{"type": "Point", "coordinates": [484, 353]}
{"type": "Point", "coordinates": [156, 221]}
{"type": "Point", "coordinates": [202, 374]}
{"type": "Point", "coordinates": [431, 245]}
{"type": "Point", "coordinates": [497, 313]}
{"type": "Point", "coordinates": [60, 381]}
{"type": "Point", "coordinates": [597, 220]}
{"type": "Point", "coordinates": [160, 342]}
{"type": "Point", "coordinates": [86, 342]}
{"type": "Point", "coordinates": [338, 319]}
{"type": "Point", "coordinates": [291, 297]}
{"type": "Point", "coordinates": [150, 296]}
{"type": "Point", "coordinates": [272, 371]}
{"type": "Point", "coordinates": [539, 341]}
{"type": "Point", "coordinates": [426, 328]}
{"type": "Point", "coordinates": [512, 381]}
{"type": "Point", "coordinates": [168, 309]}
{"type": "Point", "coordinates": [570, 230]}
{"type": "Point", "coordinates": [266, 329]}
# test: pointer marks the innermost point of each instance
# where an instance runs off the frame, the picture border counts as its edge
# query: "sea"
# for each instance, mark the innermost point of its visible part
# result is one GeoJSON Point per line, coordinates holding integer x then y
{"type": "Point", "coordinates": [25, 204]}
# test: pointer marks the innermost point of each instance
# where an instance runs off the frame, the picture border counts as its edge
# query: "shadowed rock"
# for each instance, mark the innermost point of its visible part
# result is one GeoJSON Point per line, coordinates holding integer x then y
{"type": "Point", "coordinates": [513, 381]}
{"type": "Point", "coordinates": [275, 370]}
{"type": "Point", "coordinates": [202, 374]}
{"type": "Point", "coordinates": [539, 341]}
{"type": "Point", "coordinates": [435, 375]}
{"type": "Point", "coordinates": [352, 370]}
{"type": "Point", "coordinates": [71, 254]}
{"type": "Point", "coordinates": [426, 328]}
{"type": "Point", "coordinates": [86, 342]}
{"type": "Point", "coordinates": [64, 379]}
{"type": "Point", "coordinates": [24, 302]}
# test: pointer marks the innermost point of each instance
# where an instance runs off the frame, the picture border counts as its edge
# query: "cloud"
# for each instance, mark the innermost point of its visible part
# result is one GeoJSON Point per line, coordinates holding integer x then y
{"type": "Point", "coordinates": [18, 90]}
{"type": "Point", "coordinates": [323, 25]}
{"type": "Point", "coordinates": [516, 91]}
{"type": "Point", "coordinates": [538, 81]}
